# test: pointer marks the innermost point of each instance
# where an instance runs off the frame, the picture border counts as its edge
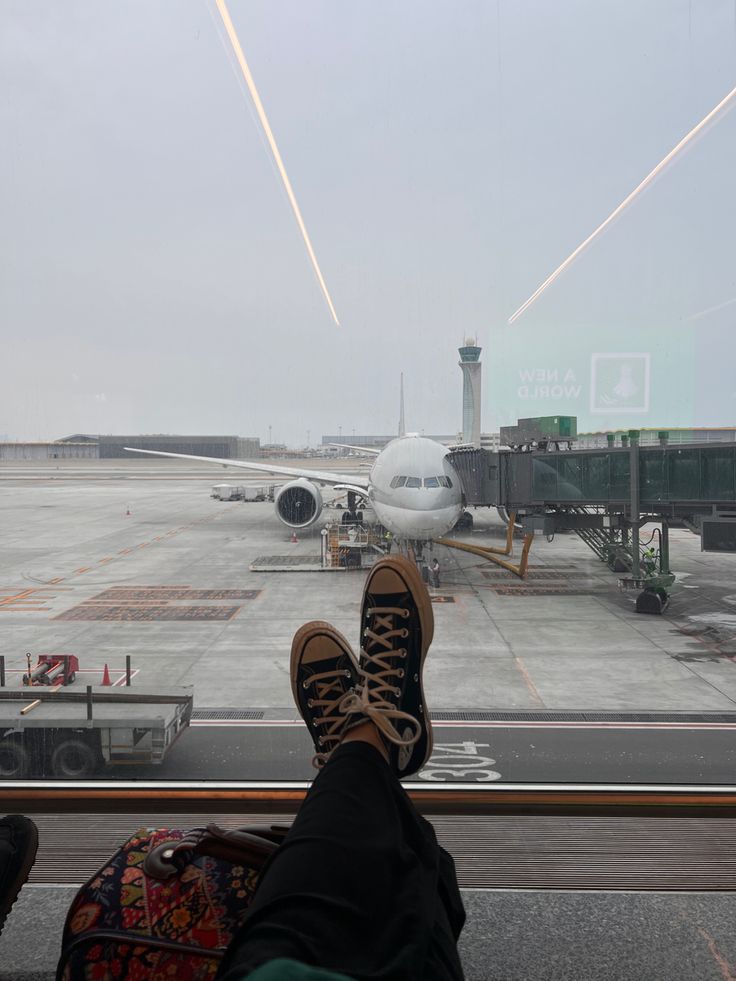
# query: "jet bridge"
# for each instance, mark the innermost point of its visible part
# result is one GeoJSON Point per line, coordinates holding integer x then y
{"type": "Point", "coordinates": [606, 495]}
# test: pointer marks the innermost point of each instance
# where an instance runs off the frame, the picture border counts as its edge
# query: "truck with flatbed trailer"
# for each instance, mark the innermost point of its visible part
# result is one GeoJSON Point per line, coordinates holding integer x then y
{"type": "Point", "coordinates": [74, 735]}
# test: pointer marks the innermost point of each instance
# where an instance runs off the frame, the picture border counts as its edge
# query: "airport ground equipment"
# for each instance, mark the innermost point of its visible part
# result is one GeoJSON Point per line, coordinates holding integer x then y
{"type": "Point", "coordinates": [242, 492]}
{"type": "Point", "coordinates": [53, 669]}
{"type": "Point", "coordinates": [607, 495]}
{"type": "Point", "coordinates": [492, 554]}
{"type": "Point", "coordinates": [349, 545]}
{"type": "Point", "coordinates": [74, 734]}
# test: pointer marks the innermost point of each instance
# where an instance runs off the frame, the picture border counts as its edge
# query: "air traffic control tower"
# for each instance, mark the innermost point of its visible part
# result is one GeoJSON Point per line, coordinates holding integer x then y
{"type": "Point", "coordinates": [471, 367]}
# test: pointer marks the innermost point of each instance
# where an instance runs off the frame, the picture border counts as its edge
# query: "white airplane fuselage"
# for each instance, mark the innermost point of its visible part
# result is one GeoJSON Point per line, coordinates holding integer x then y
{"type": "Point", "coordinates": [414, 489]}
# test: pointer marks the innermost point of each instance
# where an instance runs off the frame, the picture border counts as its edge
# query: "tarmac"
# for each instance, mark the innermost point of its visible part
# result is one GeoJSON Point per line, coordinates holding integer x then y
{"type": "Point", "coordinates": [79, 536]}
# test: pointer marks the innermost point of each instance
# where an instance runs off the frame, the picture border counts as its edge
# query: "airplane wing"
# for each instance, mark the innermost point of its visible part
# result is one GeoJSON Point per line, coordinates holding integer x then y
{"type": "Point", "coordinates": [363, 449]}
{"type": "Point", "coordinates": [318, 476]}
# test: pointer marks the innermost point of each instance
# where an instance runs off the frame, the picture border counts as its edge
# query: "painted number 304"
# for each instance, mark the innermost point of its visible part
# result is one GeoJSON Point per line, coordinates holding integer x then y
{"type": "Point", "coordinates": [459, 761]}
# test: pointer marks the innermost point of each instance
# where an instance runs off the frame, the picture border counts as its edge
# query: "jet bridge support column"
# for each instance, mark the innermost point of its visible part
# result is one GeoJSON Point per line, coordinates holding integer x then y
{"type": "Point", "coordinates": [635, 502]}
{"type": "Point", "coordinates": [664, 548]}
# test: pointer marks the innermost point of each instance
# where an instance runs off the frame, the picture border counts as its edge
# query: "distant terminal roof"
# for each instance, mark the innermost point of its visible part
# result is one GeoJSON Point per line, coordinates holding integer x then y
{"type": "Point", "coordinates": [41, 442]}
{"type": "Point", "coordinates": [377, 441]}
{"type": "Point", "coordinates": [78, 438]}
{"type": "Point", "coordinates": [667, 429]}
{"type": "Point", "coordinates": [87, 437]}
{"type": "Point", "coordinates": [701, 434]}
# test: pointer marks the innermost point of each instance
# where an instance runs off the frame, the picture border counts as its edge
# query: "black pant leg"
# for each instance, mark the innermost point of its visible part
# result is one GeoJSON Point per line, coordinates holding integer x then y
{"type": "Point", "coordinates": [359, 885]}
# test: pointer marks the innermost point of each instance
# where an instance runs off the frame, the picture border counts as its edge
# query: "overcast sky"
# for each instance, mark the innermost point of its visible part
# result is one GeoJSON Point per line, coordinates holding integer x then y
{"type": "Point", "coordinates": [446, 157]}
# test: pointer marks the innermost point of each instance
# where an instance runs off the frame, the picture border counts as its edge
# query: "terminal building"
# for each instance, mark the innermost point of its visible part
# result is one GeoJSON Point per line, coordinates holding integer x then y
{"type": "Point", "coordinates": [41, 450]}
{"type": "Point", "coordinates": [83, 446]}
{"type": "Point", "coordinates": [223, 447]}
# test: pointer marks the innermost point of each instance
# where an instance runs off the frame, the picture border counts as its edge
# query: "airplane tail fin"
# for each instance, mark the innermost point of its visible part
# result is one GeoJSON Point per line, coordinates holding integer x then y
{"type": "Point", "coordinates": [402, 423]}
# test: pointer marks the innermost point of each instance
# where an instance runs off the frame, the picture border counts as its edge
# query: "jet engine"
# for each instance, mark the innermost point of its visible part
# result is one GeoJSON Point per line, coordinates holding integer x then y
{"type": "Point", "coordinates": [299, 503]}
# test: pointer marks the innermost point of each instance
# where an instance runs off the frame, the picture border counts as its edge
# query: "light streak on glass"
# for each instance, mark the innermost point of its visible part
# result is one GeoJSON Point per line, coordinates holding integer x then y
{"type": "Point", "coordinates": [704, 313]}
{"type": "Point", "coordinates": [261, 112]}
{"type": "Point", "coordinates": [723, 105]}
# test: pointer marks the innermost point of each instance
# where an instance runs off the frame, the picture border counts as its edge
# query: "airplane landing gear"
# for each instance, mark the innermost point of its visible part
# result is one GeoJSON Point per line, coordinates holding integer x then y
{"type": "Point", "coordinates": [464, 522]}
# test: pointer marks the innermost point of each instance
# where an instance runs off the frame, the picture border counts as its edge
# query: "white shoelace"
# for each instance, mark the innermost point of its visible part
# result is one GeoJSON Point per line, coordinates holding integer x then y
{"type": "Point", "coordinates": [327, 683]}
{"type": "Point", "coordinates": [370, 697]}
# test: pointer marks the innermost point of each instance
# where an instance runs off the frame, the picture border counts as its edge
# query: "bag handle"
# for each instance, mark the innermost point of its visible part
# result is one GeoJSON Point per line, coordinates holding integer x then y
{"type": "Point", "coordinates": [251, 846]}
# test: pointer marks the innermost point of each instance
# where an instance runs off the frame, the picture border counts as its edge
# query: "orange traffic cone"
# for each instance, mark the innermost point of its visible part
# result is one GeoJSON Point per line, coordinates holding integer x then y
{"type": "Point", "coordinates": [293, 537]}
{"type": "Point", "coordinates": [106, 676]}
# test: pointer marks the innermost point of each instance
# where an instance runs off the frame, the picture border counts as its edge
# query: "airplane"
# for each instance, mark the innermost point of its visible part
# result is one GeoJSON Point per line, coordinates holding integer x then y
{"type": "Point", "coordinates": [414, 490]}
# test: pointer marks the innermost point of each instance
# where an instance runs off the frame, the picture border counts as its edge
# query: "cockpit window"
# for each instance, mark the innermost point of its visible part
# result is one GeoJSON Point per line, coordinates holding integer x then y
{"type": "Point", "coordinates": [431, 482]}
{"type": "Point", "coordinates": [413, 481]}
{"type": "Point", "coordinates": [398, 481]}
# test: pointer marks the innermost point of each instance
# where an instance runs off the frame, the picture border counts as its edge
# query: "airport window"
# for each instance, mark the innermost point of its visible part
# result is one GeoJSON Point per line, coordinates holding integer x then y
{"type": "Point", "coordinates": [278, 274]}
{"type": "Point", "coordinates": [568, 370]}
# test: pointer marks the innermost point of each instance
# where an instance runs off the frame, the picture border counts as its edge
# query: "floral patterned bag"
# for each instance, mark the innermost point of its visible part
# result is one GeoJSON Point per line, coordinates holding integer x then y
{"type": "Point", "coordinates": [165, 905]}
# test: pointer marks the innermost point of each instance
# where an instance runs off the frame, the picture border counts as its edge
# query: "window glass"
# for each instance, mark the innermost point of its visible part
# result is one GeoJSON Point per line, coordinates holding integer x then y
{"type": "Point", "coordinates": [684, 474]}
{"type": "Point", "coordinates": [653, 475]}
{"type": "Point", "coordinates": [719, 473]}
{"type": "Point", "coordinates": [523, 262]}
{"type": "Point", "coordinates": [597, 477]}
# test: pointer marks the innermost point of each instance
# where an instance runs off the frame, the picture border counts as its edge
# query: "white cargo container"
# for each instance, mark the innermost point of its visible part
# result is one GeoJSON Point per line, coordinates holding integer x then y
{"type": "Point", "coordinates": [227, 492]}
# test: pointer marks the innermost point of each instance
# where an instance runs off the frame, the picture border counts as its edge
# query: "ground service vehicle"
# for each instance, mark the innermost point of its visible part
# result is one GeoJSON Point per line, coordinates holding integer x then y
{"type": "Point", "coordinates": [74, 734]}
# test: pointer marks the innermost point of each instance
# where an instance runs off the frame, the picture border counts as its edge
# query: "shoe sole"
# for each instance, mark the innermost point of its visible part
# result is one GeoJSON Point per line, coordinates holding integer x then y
{"type": "Point", "coordinates": [409, 572]}
{"type": "Point", "coordinates": [22, 877]}
{"type": "Point", "coordinates": [301, 638]}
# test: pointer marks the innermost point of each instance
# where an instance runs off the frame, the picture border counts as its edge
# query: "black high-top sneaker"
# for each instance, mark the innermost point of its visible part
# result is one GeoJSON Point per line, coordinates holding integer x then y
{"type": "Point", "coordinates": [323, 671]}
{"type": "Point", "coordinates": [18, 845]}
{"type": "Point", "coordinates": [397, 626]}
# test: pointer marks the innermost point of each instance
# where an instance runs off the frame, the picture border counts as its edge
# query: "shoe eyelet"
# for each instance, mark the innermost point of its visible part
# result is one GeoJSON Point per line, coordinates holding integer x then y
{"type": "Point", "coordinates": [305, 684]}
{"type": "Point", "coordinates": [321, 740]}
{"type": "Point", "coordinates": [346, 673]}
{"type": "Point", "coordinates": [400, 673]}
{"type": "Point", "coordinates": [310, 703]}
{"type": "Point", "coordinates": [402, 652]}
{"type": "Point", "coordinates": [397, 692]}
{"type": "Point", "coordinates": [405, 614]}
{"type": "Point", "coordinates": [416, 677]}
{"type": "Point", "coordinates": [404, 632]}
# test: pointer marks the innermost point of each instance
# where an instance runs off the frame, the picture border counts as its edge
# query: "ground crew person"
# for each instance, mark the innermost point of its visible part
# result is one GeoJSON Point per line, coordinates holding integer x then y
{"type": "Point", "coordinates": [435, 574]}
{"type": "Point", "coordinates": [388, 539]}
{"type": "Point", "coordinates": [649, 561]}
